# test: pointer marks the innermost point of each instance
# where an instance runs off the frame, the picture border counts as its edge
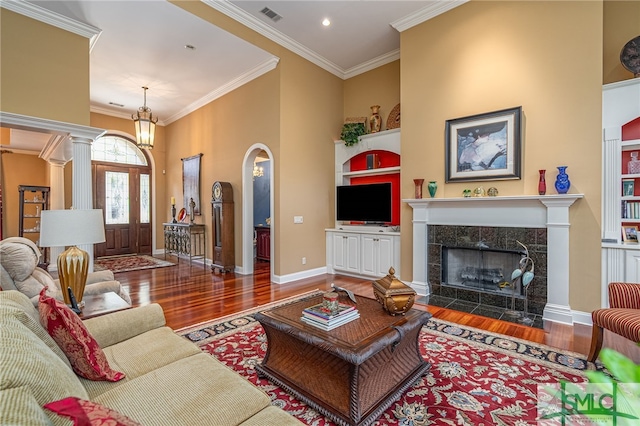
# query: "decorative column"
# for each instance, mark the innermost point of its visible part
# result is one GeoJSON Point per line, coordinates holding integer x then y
{"type": "Point", "coordinates": [56, 202]}
{"type": "Point", "coordinates": [420, 281]}
{"type": "Point", "coordinates": [557, 307]}
{"type": "Point", "coordinates": [82, 192]}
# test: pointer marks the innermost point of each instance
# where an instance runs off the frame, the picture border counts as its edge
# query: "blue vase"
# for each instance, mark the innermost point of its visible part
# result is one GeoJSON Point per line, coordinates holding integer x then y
{"type": "Point", "coordinates": [562, 180]}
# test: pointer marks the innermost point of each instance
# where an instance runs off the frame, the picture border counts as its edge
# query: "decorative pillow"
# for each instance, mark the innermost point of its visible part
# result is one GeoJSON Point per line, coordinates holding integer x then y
{"type": "Point", "coordinates": [86, 413]}
{"type": "Point", "coordinates": [85, 355]}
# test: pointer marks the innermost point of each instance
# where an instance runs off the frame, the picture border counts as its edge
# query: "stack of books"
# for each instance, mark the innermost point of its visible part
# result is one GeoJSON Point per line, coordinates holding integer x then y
{"type": "Point", "coordinates": [320, 317]}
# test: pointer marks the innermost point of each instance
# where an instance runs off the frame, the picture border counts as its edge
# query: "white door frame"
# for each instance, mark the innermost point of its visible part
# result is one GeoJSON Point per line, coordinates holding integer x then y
{"type": "Point", "coordinates": [247, 209]}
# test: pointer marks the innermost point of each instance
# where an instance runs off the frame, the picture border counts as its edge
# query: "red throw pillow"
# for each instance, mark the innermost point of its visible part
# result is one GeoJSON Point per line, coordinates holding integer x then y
{"type": "Point", "coordinates": [85, 355]}
{"type": "Point", "coordinates": [88, 413]}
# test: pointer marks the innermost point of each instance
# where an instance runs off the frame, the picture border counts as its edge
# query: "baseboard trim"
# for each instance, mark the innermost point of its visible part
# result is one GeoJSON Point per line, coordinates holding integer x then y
{"type": "Point", "coordinates": [284, 279]}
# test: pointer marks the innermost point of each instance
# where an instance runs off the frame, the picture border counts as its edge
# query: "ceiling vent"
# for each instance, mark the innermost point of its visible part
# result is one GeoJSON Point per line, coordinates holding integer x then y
{"type": "Point", "coordinates": [271, 14]}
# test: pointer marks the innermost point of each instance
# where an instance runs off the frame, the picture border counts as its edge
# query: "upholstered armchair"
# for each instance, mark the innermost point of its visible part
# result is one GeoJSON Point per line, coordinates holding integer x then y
{"type": "Point", "coordinates": [19, 271]}
{"type": "Point", "coordinates": [622, 317]}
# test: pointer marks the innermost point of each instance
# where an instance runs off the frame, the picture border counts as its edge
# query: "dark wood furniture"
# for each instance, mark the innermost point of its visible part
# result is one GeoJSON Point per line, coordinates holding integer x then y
{"type": "Point", "coordinates": [222, 217]}
{"type": "Point", "coordinates": [263, 242]}
{"type": "Point", "coordinates": [350, 374]}
{"type": "Point", "coordinates": [33, 199]}
{"type": "Point", "coordinates": [101, 304]}
{"type": "Point", "coordinates": [185, 239]}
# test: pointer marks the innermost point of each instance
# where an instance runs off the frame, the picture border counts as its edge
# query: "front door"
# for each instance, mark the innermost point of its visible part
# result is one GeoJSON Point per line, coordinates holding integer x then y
{"type": "Point", "coordinates": [123, 193]}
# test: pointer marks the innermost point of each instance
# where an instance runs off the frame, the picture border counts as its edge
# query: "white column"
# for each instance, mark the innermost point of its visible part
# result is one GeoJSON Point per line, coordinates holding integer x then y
{"type": "Point", "coordinates": [82, 182]}
{"type": "Point", "coordinates": [611, 192]}
{"type": "Point", "coordinates": [56, 202]}
{"type": "Point", "coordinates": [420, 282]}
{"type": "Point", "coordinates": [557, 307]}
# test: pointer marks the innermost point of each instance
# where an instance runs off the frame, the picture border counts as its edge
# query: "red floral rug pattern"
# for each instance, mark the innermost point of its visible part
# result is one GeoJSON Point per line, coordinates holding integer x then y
{"type": "Point", "coordinates": [129, 263]}
{"type": "Point", "coordinates": [476, 378]}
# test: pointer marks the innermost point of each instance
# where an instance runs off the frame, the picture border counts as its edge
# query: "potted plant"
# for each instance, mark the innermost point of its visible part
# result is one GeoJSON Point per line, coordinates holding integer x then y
{"type": "Point", "coordinates": [351, 132]}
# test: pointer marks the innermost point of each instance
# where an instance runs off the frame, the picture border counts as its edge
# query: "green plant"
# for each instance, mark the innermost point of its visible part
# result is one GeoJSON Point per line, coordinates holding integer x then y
{"type": "Point", "coordinates": [351, 132]}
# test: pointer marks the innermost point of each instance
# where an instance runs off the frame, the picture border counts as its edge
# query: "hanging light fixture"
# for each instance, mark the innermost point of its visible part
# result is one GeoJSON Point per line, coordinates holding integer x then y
{"type": "Point", "coordinates": [257, 171]}
{"type": "Point", "coordinates": [145, 124]}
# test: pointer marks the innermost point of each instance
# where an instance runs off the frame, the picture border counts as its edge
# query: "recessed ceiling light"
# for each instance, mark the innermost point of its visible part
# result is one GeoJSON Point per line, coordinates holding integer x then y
{"type": "Point", "coordinates": [326, 22]}
{"type": "Point", "coordinates": [189, 46]}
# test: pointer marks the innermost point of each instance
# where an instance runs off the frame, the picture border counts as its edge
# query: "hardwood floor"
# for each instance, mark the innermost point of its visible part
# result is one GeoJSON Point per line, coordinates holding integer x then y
{"type": "Point", "coordinates": [190, 295]}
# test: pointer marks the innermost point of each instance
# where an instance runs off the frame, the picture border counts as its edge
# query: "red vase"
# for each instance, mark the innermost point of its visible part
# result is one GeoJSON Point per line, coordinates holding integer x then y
{"type": "Point", "coordinates": [542, 184]}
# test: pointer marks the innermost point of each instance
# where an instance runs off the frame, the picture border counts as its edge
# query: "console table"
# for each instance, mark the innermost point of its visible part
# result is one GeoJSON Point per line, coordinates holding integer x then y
{"type": "Point", "coordinates": [185, 239]}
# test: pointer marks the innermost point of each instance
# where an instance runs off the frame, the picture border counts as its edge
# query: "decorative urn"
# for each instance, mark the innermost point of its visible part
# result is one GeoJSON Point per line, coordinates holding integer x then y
{"type": "Point", "coordinates": [395, 296]}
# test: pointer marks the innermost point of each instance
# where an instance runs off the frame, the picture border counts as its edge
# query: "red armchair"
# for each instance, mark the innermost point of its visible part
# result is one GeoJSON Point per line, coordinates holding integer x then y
{"type": "Point", "coordinates": [622, 317]}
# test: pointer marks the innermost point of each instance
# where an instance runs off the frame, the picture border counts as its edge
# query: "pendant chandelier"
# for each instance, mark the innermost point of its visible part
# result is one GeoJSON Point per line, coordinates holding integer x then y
{"type": "Point", "coordinates": [145, 124]}
{"type": "Point", "coordinates": [257, 171]}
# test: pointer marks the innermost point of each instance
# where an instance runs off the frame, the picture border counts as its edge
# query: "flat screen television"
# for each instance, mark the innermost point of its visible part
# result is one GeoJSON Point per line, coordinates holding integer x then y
{"type": "Point", "coordinates": [369, 203]}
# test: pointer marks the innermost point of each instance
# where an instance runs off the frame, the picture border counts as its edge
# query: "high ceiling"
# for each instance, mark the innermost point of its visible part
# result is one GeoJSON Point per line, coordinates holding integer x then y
{"type": "Point", "coordinates": [187, 62]}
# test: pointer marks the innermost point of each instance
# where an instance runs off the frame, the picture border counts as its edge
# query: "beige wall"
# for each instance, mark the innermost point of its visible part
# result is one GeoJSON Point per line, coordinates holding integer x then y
{"type": "Point", "coordinates": [495, 55]}
{"type": "Point", "coordinates": [380, 86]}
{"type": "Point", "coordinates": [307, 114]}
{"type": "Point", "coordinates": [45, 70]}
{"type": "Point", "coordinates": [621, 24]}
{"type": "Point", "coordinates": [223, 131]}
{"type": "Point", "coordinates": [18, 169]}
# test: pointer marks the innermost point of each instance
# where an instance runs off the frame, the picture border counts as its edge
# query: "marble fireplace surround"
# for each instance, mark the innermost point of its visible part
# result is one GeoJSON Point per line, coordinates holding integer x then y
{"type": "Point", "coordinates": [527, 211]}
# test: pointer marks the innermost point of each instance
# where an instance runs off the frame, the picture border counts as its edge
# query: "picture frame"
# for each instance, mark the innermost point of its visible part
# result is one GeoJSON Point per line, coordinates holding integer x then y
{"type": "Point", "coordinates": [485, 146]}
{"type": "Point", "coordinates": [629, 233]}
{"type": "Point", "coordinates": [628, 187]}
{"type": "Point", "coordinates": [191, 182]}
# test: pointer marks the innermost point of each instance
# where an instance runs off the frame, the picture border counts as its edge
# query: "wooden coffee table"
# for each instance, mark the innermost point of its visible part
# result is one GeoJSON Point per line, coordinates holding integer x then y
{"type": "Point", "coordinates": [350, 374]}
{"type": "Point", "coordinates": [101, 304]}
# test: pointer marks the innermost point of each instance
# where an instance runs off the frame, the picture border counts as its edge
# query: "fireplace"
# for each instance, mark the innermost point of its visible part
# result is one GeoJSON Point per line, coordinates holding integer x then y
{"type": "Point", "coordinates": [482, 269]}
{"type": "Point", "coordinates": [473, 265]}
{"type": "Point", "coordinates": [506, 219]}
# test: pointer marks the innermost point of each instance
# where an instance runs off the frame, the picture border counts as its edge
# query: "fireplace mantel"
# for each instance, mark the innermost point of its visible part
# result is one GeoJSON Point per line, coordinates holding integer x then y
{"type": "Point", "coordinates": [526, 211]}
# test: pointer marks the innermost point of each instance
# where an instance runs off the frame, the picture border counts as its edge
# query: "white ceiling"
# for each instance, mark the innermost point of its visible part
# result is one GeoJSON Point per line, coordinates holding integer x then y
{"type": "Point", "coordinates": [142, 43]}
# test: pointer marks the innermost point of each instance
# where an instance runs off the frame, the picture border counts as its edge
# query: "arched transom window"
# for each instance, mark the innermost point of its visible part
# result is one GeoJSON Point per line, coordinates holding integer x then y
{"type": "Point", "coordinates": [116, 149]}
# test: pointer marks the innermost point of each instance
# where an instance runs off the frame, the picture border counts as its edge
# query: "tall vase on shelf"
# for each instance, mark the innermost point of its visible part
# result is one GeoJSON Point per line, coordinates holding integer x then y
{"type": "Point", "coordinates": [418, 183]}
{"type": "Point", "coordinates": [542, 184]}
{"type": "Point", "coordinates": [562, 180]}
{"type": "Point", "coordinates": [433, 187]}
{"type": "Point", "coordinates": [375, 121]}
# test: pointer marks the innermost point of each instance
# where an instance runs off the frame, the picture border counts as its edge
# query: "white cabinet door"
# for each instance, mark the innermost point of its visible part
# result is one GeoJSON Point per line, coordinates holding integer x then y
{"type": "Point", "coordinates": [377, 254]}
{"type": "Point", "coordinates": [345, 252]}
{"type": "Point", "coordinates": [632, 266]}
{"type": "Point", "coordinates": [369, 254]}
{"type": "Point", "coordinates": [384, 258]}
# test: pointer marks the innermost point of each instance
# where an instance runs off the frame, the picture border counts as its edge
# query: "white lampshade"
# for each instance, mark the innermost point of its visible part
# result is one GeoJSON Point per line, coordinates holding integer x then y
{"type": "Point", "coordinates": [61, 228]}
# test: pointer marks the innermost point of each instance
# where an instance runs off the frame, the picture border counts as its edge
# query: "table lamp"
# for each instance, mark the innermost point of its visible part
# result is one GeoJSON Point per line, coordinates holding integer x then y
{"type": "Point", "coordinates": [61, 228]}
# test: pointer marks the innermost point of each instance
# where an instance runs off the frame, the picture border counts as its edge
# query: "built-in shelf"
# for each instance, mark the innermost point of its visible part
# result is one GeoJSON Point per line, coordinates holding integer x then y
{"type": "Point", "coordinates": [373, 172]}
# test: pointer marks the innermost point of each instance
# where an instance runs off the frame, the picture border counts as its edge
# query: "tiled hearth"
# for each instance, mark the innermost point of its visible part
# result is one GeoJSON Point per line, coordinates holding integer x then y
{"type": "Point", "coordinates": [540, 222]}
{"type": "Point", "coordinates": [488, 301]}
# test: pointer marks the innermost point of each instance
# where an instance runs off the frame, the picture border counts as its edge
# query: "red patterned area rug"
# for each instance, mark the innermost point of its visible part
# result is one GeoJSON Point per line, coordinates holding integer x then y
{"type": "Point", "coordinates": [129, 263]}
{"type": "Point", "coordinates": [476, 378]}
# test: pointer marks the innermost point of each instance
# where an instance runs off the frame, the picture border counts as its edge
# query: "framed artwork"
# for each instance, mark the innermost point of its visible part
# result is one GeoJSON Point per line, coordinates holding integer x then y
{"type": "Point", "coordinates": [630, 233]}
{"type": "Point", "coordinates": [628, 187]}
{"type": "Point", "coordinates": [191, 182]}
{"type": "Point", "coordinates": [484, 146]}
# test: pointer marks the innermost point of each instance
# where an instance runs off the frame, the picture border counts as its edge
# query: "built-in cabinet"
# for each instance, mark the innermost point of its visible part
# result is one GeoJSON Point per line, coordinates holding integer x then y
{"type": "Point", "coordinates": [362, 253]}
{"type": "Point", "coordinates": [33, 200]}
{"type": "Point", "coordinates": [620, 259]}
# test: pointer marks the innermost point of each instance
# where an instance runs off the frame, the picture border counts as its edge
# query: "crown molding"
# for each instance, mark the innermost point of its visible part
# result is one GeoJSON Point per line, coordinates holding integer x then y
{"type": "Point", "coordinates": [25, 122]}
{"type": "Point", "coordinates": [38, 13]}
{"type": "Point", "coordinates": [434, 9]}
{"type": "Point", "coordinates": [372, 64]}
{"type": "Point", "coordinates": [241, 80]}
{"type": "Point", "coordinates": [117, 114]}
{"type": "Point", "coordinates": [274, 35]}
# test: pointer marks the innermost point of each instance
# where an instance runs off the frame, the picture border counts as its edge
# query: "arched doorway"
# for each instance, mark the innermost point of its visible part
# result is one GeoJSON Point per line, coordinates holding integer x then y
{"type": "Point", "coordinates": [122, 189]}
{"type": "Point", "coordinates": [261, 152]}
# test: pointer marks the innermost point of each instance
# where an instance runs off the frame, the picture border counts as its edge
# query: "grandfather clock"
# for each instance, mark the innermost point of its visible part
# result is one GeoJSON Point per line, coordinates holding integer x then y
{"type": "Point", "coordinates": [223, 241]}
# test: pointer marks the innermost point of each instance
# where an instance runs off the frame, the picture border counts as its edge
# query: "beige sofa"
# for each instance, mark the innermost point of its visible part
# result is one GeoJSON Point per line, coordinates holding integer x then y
{"type": "Point", "coordinates": [19, 259]}
{"type": "Point", "coordinates": [169, 381]}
